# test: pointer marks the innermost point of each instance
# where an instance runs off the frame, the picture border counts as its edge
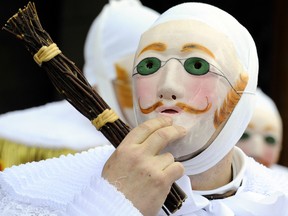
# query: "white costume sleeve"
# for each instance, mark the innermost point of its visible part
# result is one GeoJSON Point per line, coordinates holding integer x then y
{"type": "Point", "coordinates": [69, 185]}
{"type": "Point", "coordinates": [101, 198]}
{"type": "Point", "coordinates": [8, 206]}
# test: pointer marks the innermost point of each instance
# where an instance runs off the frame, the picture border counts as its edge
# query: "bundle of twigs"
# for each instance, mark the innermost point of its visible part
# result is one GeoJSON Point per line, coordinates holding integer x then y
{"type": "Point", "coordinates": [69, 81]}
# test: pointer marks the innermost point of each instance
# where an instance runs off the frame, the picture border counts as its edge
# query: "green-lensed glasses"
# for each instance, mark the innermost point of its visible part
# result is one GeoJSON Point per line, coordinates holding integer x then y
{"type": "Point", "coordinates": [193, 65]}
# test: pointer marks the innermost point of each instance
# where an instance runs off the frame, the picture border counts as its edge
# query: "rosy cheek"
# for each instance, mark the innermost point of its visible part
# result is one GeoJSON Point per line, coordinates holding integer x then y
{"type": "Point", "coordinates": [146, 90]}
{"type": "Point", "coordinates": [270, 154]}
{"type": "Point", "coordinates": [200, 90]}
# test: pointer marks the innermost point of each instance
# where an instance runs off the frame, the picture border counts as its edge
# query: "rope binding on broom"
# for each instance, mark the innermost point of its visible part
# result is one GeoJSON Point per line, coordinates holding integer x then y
{"type": "Point", "coordinates": [106, 116]}
{"type": "Point", "coordinates": [46, 53]}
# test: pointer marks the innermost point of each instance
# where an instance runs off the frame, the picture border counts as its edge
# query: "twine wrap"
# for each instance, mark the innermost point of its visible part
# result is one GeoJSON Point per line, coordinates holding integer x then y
{"type": "Point", "coordinates": [107, 115]}
{"type": "Point", "coordinates": [46, 53]}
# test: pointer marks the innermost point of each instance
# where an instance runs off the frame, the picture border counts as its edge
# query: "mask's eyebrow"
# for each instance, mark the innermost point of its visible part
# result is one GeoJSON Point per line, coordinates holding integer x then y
{"type": "Point", "coordinates": [269, 128]}
{"type": "Point", "coordinates": [160, 47]}
{"type": "Point", "coordinates": [251, 125]}
{"type": "Point", "coordinates": [192, 46]}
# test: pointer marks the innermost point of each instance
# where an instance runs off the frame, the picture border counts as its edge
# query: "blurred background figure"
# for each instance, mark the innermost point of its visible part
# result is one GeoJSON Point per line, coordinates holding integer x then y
{"type": "Point", "coordinates": [262, 139]}
{"type": "Point", "coordinates": [109, 52]}
{"type": "Point", "coordinates": [58, 128]}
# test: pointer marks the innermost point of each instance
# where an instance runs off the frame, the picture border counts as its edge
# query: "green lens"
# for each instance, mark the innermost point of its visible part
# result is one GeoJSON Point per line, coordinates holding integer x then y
{"type": "Point", "coordinates": [270, 140]}
{"type": "Point", "coordinates": [148, 66]}
{"type": "Point", "coordinates": [245, 136]}
{"type": "Point", "coordinates": [196, 66]}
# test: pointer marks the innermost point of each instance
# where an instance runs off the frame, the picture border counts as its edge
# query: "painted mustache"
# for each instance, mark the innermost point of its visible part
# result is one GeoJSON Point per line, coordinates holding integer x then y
{"type": "Point", "coordinates": [185, 107]}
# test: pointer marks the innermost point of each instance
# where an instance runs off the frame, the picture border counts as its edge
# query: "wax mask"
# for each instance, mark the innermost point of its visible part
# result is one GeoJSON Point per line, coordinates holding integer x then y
{"type": "Point", "coordinates": [189, 71]}
{"type": "Point", "coordinates": [262, 139]}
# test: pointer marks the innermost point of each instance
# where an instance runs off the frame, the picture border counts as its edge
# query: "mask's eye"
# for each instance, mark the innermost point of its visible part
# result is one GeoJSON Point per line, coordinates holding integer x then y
{"type": "Point", "coordinates": [148, 66]}
{"type": "Point", "coordinates": [270, 140]}
{"type": "Point", "coordinates": [196, 66]}
{"type": "Point", "coordinates": [245, 136]}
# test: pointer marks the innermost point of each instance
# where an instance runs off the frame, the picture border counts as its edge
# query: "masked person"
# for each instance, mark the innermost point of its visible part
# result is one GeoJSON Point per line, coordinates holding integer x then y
{"type": "Point", "coordinates": [109, 53]}
{"type": "Point", "coordinates": [194, 82]}
{"type": "Point", "coordinates": [262, 139]}
{"type": "Point", "coordinates": [57, 128]}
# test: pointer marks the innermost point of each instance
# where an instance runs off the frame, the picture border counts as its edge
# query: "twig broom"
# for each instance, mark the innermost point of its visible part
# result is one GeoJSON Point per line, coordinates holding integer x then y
{"type": "Point", "coordinates": [69, 81]}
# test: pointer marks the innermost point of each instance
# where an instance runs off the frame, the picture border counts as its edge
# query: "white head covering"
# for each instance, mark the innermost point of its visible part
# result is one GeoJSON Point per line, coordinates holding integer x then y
{"type": "Point", "coordinates": [263, 101]}
{"type": "Point", "coordinates": [114, 34]}
{"type": "Point", "coordinates": [247, 54]}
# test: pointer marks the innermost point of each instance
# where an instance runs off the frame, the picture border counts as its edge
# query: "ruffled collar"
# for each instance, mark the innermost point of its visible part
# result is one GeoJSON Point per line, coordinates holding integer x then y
{"type": "Point", "coordinates": [249, 200]}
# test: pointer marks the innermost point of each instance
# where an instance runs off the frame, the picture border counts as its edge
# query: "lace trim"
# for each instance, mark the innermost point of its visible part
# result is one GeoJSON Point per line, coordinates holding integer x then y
{"type": "Point", "coordinates": [10, 207]}
{"type": "Point", "coordinates": [54, 182]}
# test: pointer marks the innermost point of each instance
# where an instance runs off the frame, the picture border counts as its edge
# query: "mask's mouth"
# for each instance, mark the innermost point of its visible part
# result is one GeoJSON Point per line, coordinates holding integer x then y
{"type": "Point", "coordinates": [169, 111]}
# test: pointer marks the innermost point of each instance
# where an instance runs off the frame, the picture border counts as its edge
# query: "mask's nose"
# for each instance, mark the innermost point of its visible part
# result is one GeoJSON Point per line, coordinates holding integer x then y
{"type": "Point", "coordinates": [258, 145]}
{"type": "Point", "coordinates": [170, 86]}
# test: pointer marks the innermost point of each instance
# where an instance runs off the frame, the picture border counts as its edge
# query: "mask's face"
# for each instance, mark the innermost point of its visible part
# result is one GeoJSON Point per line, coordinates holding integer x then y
{"type": "Point", "coordinates": [190, 72]}
{"type": "Point", "coordinates": [262, 139]}
{"type": "Point", "coordinates": [123, 87]}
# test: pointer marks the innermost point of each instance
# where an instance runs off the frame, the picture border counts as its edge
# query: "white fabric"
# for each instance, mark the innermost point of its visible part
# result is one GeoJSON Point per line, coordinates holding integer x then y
{"type": "Point", "coordinates": [54, 182]}
{"type": "Point", "coordinates": [280, 168]}
{"type": "Point", "coordinates": [10, 207]}
{"type": "Point", "coordinates": [49, 186]}
{"type": "Point", "coordinates": [54, 125]}
{"type": "Point", "coordinates": [263, 101]}
{"type": "Point", "coordinates": [114, 34]}
{"type": "Point", "coordinates": [247, 54]}
{"type": "Point", "coordinates": [72, 185]}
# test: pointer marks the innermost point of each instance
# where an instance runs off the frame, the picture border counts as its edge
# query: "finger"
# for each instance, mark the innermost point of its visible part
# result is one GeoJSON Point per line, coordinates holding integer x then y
{"type": "Point", "coordinates": [160, 138]}
{"type": "Point", "coordinates": [164, 160]}
{"type": "Point", "coordinates": [144, 130]}
{"type": "Point", "coordinates": [174, 171]}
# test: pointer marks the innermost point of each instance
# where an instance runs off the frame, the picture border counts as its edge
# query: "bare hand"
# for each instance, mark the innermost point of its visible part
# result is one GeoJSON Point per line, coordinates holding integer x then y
{"type": "Point", "coordinates": [138, 170]}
